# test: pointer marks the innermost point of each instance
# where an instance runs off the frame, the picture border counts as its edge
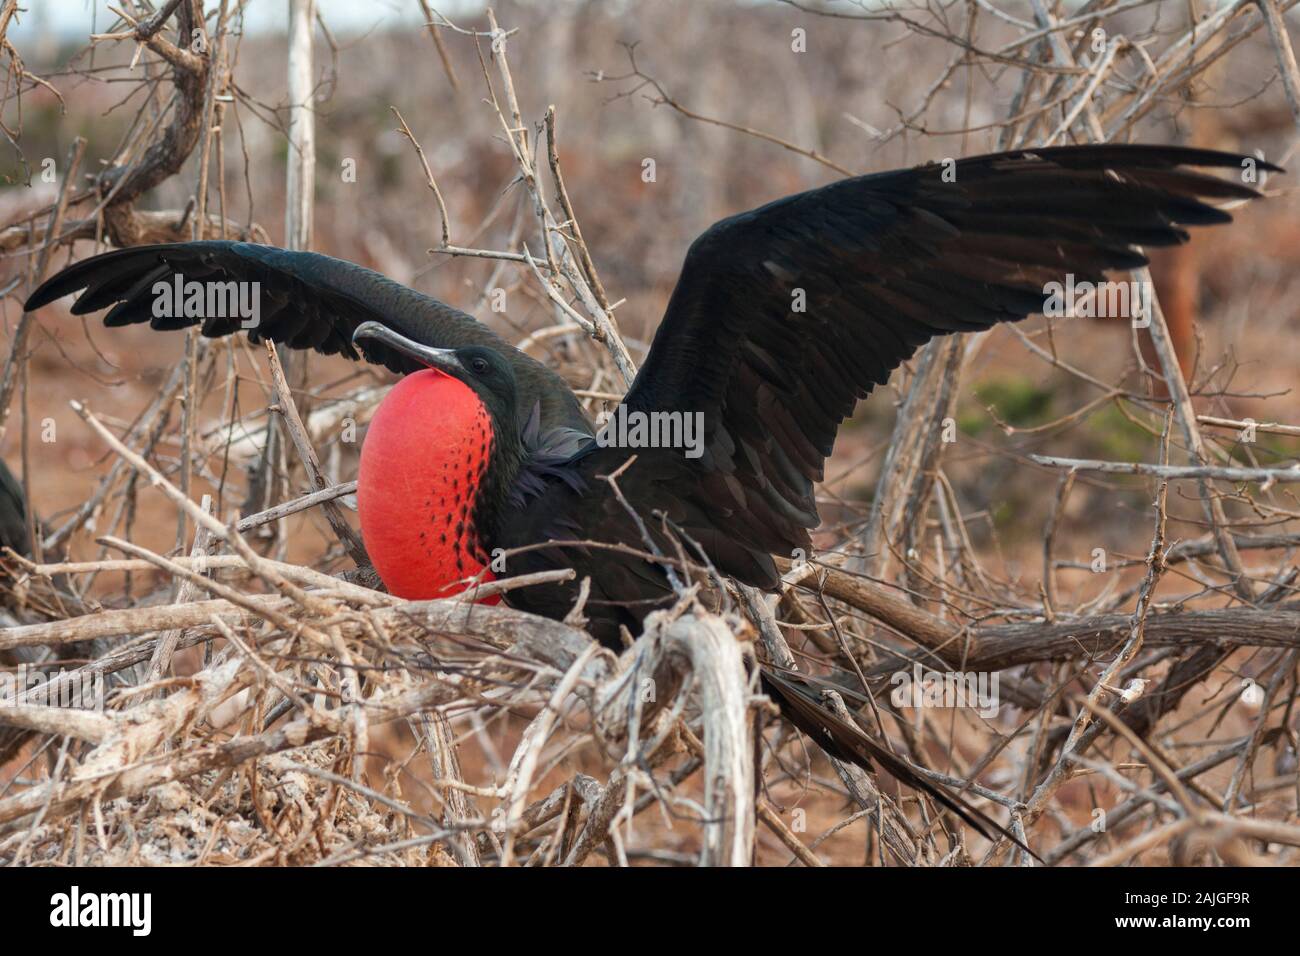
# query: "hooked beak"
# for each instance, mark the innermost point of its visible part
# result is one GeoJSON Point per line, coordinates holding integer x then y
{"type": "Point", "coordinates": [444, 360]}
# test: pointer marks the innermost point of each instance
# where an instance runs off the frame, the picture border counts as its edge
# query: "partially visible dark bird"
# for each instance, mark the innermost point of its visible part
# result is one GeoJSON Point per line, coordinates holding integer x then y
{"type": "Point", "coordinates": [28, 600]}
{"type": "Point", "coordinates": [13, 534]}
{"type": "Point", "coordinates": [13, 513]}
{"type": "Point", "coordinates": [40, 598]}
{"type": "Point", "coordinates": [782, 319]}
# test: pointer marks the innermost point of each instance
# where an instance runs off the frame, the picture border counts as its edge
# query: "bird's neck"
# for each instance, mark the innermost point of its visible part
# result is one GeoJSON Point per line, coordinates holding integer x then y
{"type": "Point", "coordinates": [431, 470]}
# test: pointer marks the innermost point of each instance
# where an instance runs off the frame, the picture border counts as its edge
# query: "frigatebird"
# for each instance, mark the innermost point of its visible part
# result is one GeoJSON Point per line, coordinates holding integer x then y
{"type": "Point", "coordinates": [480, 447]}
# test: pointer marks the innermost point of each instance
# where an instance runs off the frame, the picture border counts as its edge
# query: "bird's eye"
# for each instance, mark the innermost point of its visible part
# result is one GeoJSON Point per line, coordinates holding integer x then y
{"type": "Point", "coordinates": [479, 366]}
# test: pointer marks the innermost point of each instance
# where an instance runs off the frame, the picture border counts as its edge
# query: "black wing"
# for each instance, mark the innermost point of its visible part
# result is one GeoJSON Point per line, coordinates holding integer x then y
{"type": "Point", "coordinates": [885, 263]}
{"type": "Point", "coordinates": [306, 300]}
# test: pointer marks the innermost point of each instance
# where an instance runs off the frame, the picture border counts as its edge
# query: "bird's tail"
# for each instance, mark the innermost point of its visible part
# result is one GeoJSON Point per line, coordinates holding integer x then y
{"type": "Point", "coordinates": [800, 703]}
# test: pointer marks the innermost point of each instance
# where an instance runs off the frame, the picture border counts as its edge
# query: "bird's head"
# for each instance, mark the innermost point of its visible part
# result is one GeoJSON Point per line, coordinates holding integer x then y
{"type": "Point", "coordinates": [484, 370]}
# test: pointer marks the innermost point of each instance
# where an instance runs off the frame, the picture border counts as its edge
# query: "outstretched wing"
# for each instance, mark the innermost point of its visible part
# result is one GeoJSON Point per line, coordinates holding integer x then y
{"type": "Point", "coordinates": [880, 265]}
{"type": "Point", "coordinates": [306, 300]}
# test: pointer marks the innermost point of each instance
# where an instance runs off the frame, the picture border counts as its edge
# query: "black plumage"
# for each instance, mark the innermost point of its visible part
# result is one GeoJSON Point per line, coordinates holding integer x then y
{"type": "Point", "coordinates": [13, 514]}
